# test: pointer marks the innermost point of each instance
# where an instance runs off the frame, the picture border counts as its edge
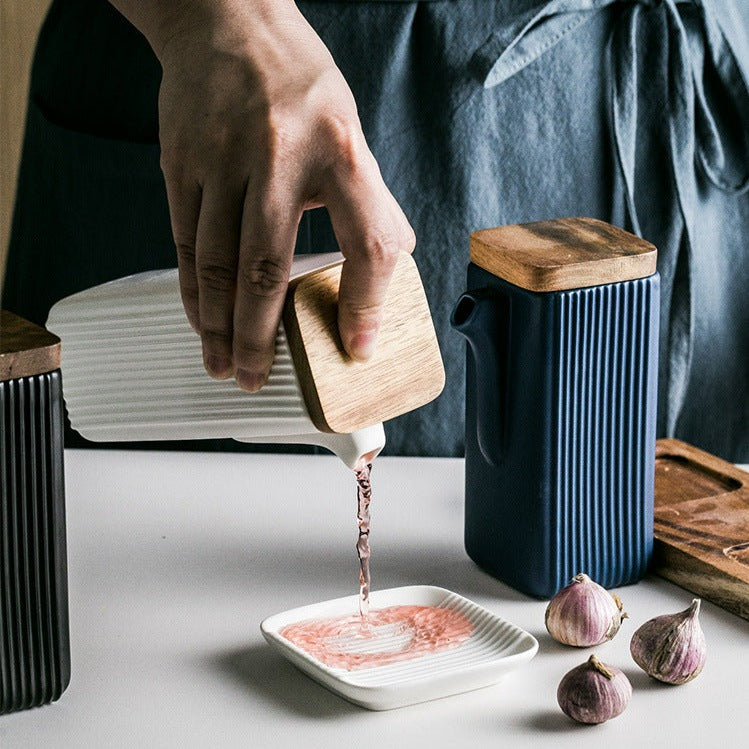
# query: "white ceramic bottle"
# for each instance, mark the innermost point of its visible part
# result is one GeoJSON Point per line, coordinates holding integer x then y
{"type": "Point", "coordinates": [133, 370]}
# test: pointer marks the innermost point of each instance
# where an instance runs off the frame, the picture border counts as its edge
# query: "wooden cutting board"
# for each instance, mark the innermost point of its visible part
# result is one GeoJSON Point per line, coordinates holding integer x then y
{"type": "Point", "coordinates": [702, 524]}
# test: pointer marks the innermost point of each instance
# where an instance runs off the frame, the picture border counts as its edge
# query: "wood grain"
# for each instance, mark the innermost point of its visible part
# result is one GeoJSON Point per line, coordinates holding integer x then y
{"type": "Point", "coordinates": [564, 253]}
{"type": "Point", "coordinates": [19, 25]}
{"type": "Point", "coordinates": [25, 348]}
{"type": "Point", "coordinates": [405, 371]}
{"type": "Point", "coordinates": [702, 524]}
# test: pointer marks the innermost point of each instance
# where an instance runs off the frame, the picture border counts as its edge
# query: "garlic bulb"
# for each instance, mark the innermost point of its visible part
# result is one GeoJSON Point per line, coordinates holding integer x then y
{"type": "Point", "coordinates": [671, 647]}
{"type": "Point", "coordinates": [584, 613]}
{"type": "Point", "coordinates": [594, 692]}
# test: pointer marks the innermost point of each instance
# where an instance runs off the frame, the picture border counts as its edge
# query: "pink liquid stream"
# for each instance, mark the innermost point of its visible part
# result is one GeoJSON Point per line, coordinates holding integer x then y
{"type": "Point", "coordinates": [381, 636]}
{"type": "Point", "coordinates": [362, 471]}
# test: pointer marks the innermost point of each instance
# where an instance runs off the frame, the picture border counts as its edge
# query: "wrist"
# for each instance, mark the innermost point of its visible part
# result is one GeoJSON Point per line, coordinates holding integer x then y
{"type": "Point", "coordinates": [163, 21]}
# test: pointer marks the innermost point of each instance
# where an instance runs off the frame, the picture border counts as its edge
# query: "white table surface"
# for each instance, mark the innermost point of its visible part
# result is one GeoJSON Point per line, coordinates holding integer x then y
{"type": "Point", "coordinates": [175, 558]}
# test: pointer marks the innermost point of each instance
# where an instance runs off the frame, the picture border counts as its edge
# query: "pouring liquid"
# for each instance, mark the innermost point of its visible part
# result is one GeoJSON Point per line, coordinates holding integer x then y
{"type": "Point", "coordinates": [381, 636]}
{"type": "Point", "coordinates": [362, 472]}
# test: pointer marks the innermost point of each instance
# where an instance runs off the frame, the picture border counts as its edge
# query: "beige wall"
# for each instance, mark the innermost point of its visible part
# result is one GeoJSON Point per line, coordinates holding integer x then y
{"type": "Point", "coordinates": [19, 24]}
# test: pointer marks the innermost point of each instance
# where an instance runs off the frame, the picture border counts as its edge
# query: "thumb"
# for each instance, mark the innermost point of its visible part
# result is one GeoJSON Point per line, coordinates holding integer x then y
{"type": "Point", "coordinates": [361, 299]}
{"type": "Point", "coordinates": [371, 248]}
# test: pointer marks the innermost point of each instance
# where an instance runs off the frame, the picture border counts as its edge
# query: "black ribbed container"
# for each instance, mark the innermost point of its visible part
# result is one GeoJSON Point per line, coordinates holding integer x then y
{"type": "Point", "coordinates": [34, 641]}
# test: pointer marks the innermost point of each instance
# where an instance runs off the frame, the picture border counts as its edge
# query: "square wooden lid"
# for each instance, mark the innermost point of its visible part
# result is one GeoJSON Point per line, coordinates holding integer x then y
{"type": "Point", "coordinates": [564, 253]}
{"type": "Point", "coordinates": [404, 372]}
{"type": "Point", "coordinates": [25, 348]}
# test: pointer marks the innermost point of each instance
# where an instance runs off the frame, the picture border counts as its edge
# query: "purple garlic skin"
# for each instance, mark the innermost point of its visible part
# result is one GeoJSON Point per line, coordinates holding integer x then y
{"type": "Point", "coordinates": [671, 647]}
{"type": "Point", "coordinates": [594, 692]}
{"type": "Point", "coordinates": [584, 614]}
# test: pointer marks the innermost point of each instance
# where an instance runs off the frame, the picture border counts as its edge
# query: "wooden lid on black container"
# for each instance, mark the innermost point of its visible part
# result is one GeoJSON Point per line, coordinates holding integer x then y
{"type": "Point", "coordinates": [25, 348]}
{"type": "Point", "coordinates": [564, 253]}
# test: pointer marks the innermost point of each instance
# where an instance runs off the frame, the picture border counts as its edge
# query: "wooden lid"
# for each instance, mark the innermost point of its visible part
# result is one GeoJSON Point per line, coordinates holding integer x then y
{"type": "Point", "coordinates": [405, 371]}
{"type": "Point", "coordinates": [564, 253]}
{"type": "Point", "coordinates": [25, 348]}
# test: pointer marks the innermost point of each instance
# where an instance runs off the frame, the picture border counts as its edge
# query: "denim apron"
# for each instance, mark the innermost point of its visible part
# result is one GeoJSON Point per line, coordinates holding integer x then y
{"type": "Point", "coordinates": [480, 113]}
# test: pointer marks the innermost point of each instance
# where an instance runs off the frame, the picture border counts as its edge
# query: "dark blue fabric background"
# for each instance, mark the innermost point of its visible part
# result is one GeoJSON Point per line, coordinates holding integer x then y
{"type": "Point", "coordinates": [480, 113]}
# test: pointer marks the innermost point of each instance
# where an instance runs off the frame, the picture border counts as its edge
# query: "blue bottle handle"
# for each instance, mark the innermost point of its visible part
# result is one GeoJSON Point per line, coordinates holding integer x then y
{"type": "Point", "coordinates": [482, 316]}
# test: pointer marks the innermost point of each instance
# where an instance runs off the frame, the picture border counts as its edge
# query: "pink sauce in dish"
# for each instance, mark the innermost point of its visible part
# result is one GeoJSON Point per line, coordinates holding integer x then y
{"type": "Point", "coordinates": [389, 635]}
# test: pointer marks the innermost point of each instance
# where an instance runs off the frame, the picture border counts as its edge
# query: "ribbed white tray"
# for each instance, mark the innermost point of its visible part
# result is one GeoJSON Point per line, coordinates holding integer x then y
{"type": "Point", "coordinates": [495, 647]}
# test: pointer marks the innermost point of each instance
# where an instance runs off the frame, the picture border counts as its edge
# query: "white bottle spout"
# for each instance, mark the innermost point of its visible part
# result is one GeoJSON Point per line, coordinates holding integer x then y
{"type": "Point", "coordinates": [363, 444]}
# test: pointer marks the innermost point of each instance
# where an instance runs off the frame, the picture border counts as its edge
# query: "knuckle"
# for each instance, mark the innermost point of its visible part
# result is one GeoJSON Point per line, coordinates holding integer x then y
{"type": "Point", "coordinates": [185, 252]}
{"type": "Point", "coordinates": [264, 277]}
{"type": "Point", "coordinates": [189, 295]}
{"type": "Point", "coordinates": [282, 134]}
{"type": "Point", "coordinates": [362, 312]}
{"type": "Point", "coordinates": [382, 249]}
{"type": "Point", "coordinates": [409, 239]}
{"type": "Point", "coordinates": [343, 136]}
{"type": "Point", "coordinates": [216, 338]}
{"type": "Point", "coordinates": [250, 350]}
{"type": "Point", "coordinates": [214, 276]}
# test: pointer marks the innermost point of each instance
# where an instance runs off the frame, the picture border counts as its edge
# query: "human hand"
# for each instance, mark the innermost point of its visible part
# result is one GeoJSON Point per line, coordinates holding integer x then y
{"type": "Point", "coordinates": [257, 124]}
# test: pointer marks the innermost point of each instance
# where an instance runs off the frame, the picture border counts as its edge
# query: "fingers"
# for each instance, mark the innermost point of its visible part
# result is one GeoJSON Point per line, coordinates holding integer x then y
{"type": "Point", "coordinates": [235, 244]}
{"type": "Point", "coordinates": [234, 269]}
{"type": "Point", "coordinates": [184, 208]}
{"type": "Point", "coordinates": [206, 226]}
{"type": "Point", "coordinates": [371, 231]}
{"type": "Point", "coordinates": [269, 226]}
{"type": "Point", "coordinates": [217, 249]}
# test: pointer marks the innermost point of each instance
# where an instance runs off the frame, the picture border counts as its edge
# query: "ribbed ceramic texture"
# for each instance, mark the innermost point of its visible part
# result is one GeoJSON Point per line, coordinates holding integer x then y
{"type": "Point", "coordinates": [494, 648]}
{"type": "Point", "coordinates": [134, 370]}
{"type": "Point", "coordinates": [560, 431]}
{"type": "Point", "coordinates": [603, 454]}
{"type": "Point", "coordinates": [34, 644]}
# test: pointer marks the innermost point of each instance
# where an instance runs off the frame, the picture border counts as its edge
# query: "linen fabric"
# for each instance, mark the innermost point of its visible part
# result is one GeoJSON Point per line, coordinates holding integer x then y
{"type": "Point", "coordinates": [480, 113]}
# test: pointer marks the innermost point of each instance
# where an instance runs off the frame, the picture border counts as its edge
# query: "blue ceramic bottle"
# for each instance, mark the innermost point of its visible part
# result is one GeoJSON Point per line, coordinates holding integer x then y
{"type": "Point", "coordinates": [561, 319]}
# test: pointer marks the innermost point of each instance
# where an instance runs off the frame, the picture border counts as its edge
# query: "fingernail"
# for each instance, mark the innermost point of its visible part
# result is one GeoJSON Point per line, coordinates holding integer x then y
{"type": "Point", "coordinates": [250, 381]}
{"type": "Point", "coordinates": [218, 366]}
{"type": "Point", "coordinates": [363, 345]}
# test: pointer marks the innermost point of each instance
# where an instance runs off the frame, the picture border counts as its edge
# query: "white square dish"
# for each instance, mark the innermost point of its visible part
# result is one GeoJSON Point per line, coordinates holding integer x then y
{"type": "Point", "coordinates": [494, 648]}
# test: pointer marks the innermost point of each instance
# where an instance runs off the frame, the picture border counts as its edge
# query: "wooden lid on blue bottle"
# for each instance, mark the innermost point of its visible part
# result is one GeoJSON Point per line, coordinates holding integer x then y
{"type": "Point", "coordinates": [563, 253]}
{"type": "Point", "coordinates": [25, 348]}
